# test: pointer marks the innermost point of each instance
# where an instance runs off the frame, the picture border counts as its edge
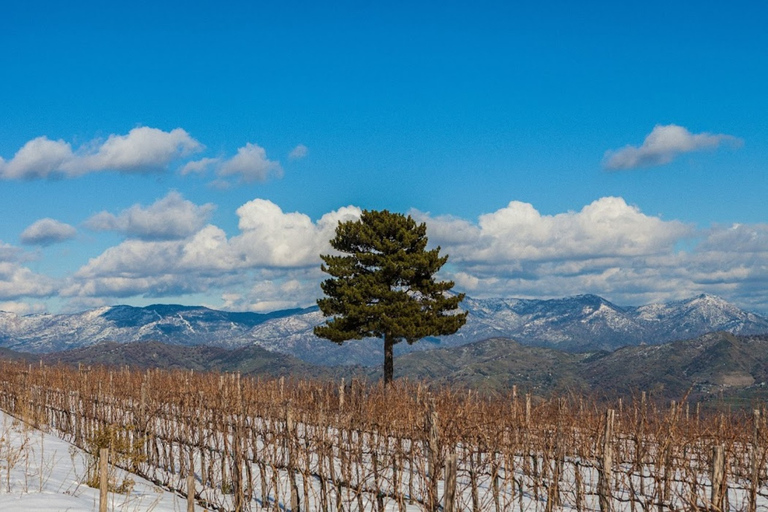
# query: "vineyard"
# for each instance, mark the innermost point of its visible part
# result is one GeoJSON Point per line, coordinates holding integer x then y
{"type": "Point", "coordinates": [252, 444]}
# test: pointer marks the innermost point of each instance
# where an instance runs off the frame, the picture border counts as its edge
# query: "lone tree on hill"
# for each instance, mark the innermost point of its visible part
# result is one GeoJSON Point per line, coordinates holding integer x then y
{"type": "Point", "coordinates": [383, 285]}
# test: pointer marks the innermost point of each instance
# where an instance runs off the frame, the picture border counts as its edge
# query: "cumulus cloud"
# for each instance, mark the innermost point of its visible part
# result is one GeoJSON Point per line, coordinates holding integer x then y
{"type": "Point", "coordinates": [10, 253]}
{"type": "Point", "coordinates": [740, 238]}
{"type": "Point", "coordinates": [606, 227]}
{"type": "Point", "coordinates": [272, 238]}
{"type": "Point", "coordinates": [160, 268]}
{"type": "Point", "coordinates": [250, 164]}
{"type": "Point", "coordinates": [16, 280]}
{"type": "Point", "coordinates": [198, 166]}
{"type": "Point", "coordinates": [142, 150]}
{"type": "Point", "coordinates": [661, 146]}
{"type": "Point", "coordinates": [268, 239]}
{"type": "Point", "coordinates": [38, 158]}
{"type": "Point", "coordinates": [273, 290]}
{"type": "Point", "coordinates": [607, 247]}
{"type": "Point", "coordinates": [22, 308]}
{"type": "Point", "coordinates": [171, 217]}
{"type": "Point", "coordinates": [46, 232]}
{"type": "Point", "coordinates": [298, 152]}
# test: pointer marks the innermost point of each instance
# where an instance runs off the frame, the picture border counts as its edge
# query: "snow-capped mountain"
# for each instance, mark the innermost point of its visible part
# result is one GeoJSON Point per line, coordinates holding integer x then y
{"type": "Point", "coordinates": [581, 323]}
{"type": "Point", "coordinates": [589, 322]}
{"type": "Point", "coordinates": [182, 325]}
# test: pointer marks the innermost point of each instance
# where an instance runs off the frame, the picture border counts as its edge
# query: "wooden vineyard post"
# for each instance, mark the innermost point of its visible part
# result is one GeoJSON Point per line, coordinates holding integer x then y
{"type": "Point", "coordinates": [514, 402]}
{"type": "Point", "coordinates": [289, 427]}
{"type": "Point", "coordinates": [755, 477]}
{"type": "Point", "coordinates": [553, 493]}
{"type": "Point", "coordinates": [450, 482]}
{"type": "Point", "coordinates": [75, 404]}
{"type": "Point", "coordinates": [434, 455]}
{"type": "Point", "coordinates": [103, 479]}
{"type": "Point", "coordinates": [238, 485]}
{"type": "Point", "coordinates": [604, 482]}
{"type": "Point", "coordinates": [190, 493]}
{"type": "Point", "coordinates": [579, 487]}
{"type": "Point", "coordinates": [322, 452]}
{"type": "Point", "coordinates": [531, 454]}
{"type": "Point", "coordinates": [718, 477]}
{"type": "Point", "coordinates": [142, 423]}
{"type": "Point", "coordinates": [527, 410]}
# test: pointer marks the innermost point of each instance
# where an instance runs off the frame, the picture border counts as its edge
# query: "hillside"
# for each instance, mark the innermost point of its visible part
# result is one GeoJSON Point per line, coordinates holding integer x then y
{"type": "Point", "coordinates": [249, 360]}
{"type": "Point", "coordinates": [717, 364]}
{"type": "Point", "coordinates": [495, 364]}
{"type": "Point", "coordinates": [708, 367]}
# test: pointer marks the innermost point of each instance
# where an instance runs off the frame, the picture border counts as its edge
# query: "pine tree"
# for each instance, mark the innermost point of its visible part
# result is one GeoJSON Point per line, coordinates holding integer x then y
{"type": "Point", "coordinates": [382, 285]}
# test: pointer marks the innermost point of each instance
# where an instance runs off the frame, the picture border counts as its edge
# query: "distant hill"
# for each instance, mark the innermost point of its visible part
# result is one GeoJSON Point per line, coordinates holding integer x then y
{"type": "Point", "coordinates": [716, 368]}
{"type": "Point", "coordinates": [581, 323]}
{"type": "Point", "coordinates": [12, 355]}
{"type": "Point", "coordinates": [249, 360]}
{"type": "Point", "coordinates": [707, 367]}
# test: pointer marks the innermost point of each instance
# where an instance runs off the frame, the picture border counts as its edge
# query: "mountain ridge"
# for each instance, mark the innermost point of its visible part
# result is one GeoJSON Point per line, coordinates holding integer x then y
{"type": "Point", "coordinates": [575, 324]}
{"type": "Point", "coordinates": [714, 366]}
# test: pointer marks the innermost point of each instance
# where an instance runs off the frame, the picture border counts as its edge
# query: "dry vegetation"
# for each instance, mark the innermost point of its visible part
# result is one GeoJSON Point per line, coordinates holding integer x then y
{"type": "Point", "coordinates": [308, 445]}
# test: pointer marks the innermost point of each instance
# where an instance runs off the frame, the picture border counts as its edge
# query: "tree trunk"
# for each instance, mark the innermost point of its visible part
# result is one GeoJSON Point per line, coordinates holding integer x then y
{"type": "Point", "coordinates": [389, 363]}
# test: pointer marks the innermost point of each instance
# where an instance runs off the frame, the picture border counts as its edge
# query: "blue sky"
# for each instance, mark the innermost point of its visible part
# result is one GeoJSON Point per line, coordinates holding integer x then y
{"type": "Point", "coordinates": [201, 153]}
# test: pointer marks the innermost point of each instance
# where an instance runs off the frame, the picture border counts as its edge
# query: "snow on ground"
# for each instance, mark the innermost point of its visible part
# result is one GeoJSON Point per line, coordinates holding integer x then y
{"type": "Point", "coordinates": [41, 473]}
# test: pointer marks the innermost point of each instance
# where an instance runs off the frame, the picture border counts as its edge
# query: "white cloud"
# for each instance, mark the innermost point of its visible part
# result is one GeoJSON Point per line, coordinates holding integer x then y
{"type": "Point", "coordinates": [142, 150]}
{"type": "Point", "coordinates": [207, 258]}
{"type": "Point", "coordinates": [662, 146]}
{"type": "Point", "coordinates": [209, 253]}
{"type": "Point", "coordinates": [606, 227]}
{"type": "Point", "coordinates": [10, 253]}
{"type": "Point", "coordinates": [38, 158]}
{"type": "Point", "coordinates": [47, 231]}
{"type": "Point", "coordinates": [740, 238]}
{"type": "Point", "coordinates": [730, 261]}
{"type": "Point", "coordinates": [22, 308]}
{"type": "Point", "coordinates": [120, 287]}
{"type": "Point", "coordinates": [450, 230]}
{"type": "Point", "coordinates": [169, 218]}
{"type": "Point", "coordinates": [272, 238]}
{"type": "Point", "coordinates": [198, 166]}
{"type": "Point", "coordinates": [608, 247]}
{"type": "Point", "coordinates": [298, 152]}
{"type": "Point", "coordinates": [274, 290]}
{"type": "Point", "coordinates": [17, 281]}
{"type": "Point", "coordinates": [250, 164]}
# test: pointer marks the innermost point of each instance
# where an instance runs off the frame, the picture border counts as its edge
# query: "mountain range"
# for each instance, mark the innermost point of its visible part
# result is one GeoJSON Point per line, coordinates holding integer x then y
{"type": "Point", "coordinates": [585, 323]}
{"type": "Point", "coordinates": [710, 366]}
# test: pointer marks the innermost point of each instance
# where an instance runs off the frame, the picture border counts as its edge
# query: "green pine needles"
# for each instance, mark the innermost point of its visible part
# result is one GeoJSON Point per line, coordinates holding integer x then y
{"type": "Point", "coordinates": [382, 285]}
